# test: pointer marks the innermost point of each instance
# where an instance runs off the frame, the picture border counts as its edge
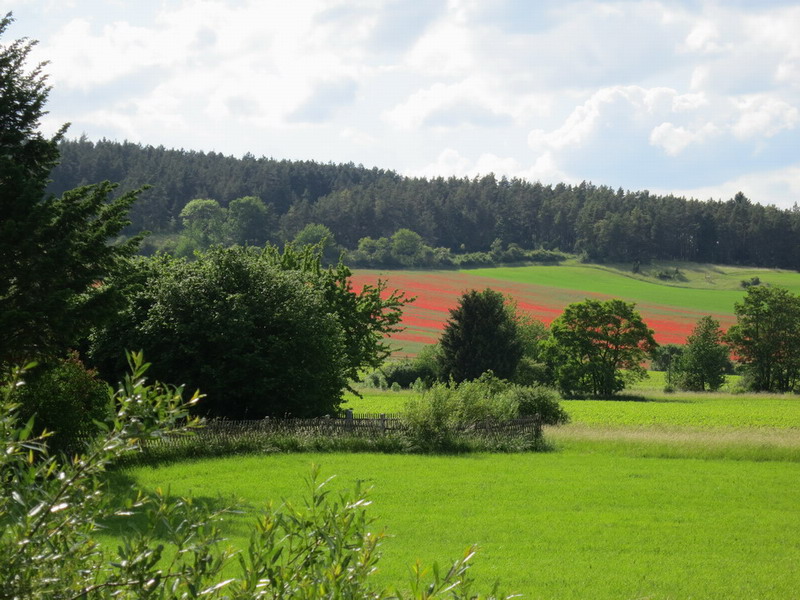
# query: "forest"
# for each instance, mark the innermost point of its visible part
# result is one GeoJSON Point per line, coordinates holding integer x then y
{"type": "Point", "coordinates": [460, 214]}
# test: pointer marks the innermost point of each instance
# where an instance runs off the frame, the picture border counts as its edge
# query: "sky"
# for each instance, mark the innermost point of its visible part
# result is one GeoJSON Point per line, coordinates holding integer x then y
{"type": "Point", "coordinates": [696, 98]}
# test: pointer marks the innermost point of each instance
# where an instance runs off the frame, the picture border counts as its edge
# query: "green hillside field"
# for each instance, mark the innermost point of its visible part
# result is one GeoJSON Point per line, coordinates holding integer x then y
{"type": "Point", "coordinates": [671, 307]}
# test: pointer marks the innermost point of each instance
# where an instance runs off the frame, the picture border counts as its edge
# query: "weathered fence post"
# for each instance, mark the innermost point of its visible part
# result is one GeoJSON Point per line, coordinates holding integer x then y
{"type": "Point", "coordinates": [383, 423]}
{"type": "Point", "coordinates": [348, 419]}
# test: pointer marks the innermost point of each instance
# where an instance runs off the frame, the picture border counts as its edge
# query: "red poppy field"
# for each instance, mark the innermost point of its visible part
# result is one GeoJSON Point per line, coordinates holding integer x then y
{"type": "Point", "coordinates": [437, 292]}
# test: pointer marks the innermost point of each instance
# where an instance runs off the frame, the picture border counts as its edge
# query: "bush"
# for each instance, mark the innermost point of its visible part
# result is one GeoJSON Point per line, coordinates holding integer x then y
{"type": "Point", "coordinates": [435, 419]}
{"type": "Point", "coordinates": [65, 398]}
{"type": "Point", "coordinates": [263, 333]}
{"type": "Point", "coordinates": [405, 372]}
{"type": "Point", "coordinates": [538, 400]}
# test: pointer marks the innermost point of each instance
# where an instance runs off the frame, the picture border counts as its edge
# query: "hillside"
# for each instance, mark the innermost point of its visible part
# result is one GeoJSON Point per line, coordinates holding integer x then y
{"type": "Point", "coordinates": [462, 215]}
{"type": "Point", "coordinates": [671, 307]}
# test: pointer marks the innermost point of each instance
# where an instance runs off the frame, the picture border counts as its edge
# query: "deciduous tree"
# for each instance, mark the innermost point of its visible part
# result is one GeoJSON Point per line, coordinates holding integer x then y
{"type": "Point", "coordinates": [596, 347]}
{"type": "Point", "coordinates": [766, 338]}
{"type": "Point", "coordinates": [262, 333]}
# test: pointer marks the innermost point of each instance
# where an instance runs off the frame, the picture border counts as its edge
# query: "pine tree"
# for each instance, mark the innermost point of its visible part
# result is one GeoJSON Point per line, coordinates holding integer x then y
{"type": "Point", "coordinates": [54, 252]}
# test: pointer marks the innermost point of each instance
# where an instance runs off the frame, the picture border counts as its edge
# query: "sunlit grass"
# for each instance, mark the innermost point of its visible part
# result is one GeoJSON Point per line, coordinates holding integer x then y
{"type": "Point", "coordinates": [576, 523]}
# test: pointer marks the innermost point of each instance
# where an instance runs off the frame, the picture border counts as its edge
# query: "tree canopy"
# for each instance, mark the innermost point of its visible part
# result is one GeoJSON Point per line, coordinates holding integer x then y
{"type": "Point", "coordinates": [480, 336]}
{"type": "Point", "coordinates": [262, 333]}
{"type": "Point", "coordinates": [596, 347]}
{"type": "Point", "coordinates": [704, 361]}
{"type": "Point", "coordinates": [462, 215]}
{"type": "Point", "coordinates": [766, 338]}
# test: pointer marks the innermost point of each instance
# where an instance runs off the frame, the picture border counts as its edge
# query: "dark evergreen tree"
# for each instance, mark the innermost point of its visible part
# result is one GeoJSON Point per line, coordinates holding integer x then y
{"type": "Point", "coordinates": [54, 251]}
{"type": "Point", "coordinates": [480, 335]}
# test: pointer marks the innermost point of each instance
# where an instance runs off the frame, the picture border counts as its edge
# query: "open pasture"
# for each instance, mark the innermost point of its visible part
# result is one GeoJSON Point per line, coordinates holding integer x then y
{"type": "Point", "coordinates": [570, 524]}
{"type": "Point", "coordinates": [670, 307]}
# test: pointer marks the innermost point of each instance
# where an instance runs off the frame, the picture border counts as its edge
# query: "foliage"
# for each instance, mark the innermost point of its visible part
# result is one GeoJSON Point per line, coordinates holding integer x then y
{"type": "Point", "coordinates": [531, 334]}
{"type": "Point", "coordinates": [66, 399]}
{"type": "Point", "coordinates": [766, 338]}
{"type": "Point", "coordinates": [54, 251]}
{"type": "Point", "coordinates": [454, 216]}
{"type": "Point", "coordinates": [665, 357]}
{"type": "Point", "coordinates": [704, 362]}
{"type": "Point", "coordinates": [480, 336]}
{"type": "Point", "coordinates": [596, 347]}
{"type": "Point", "coordinates": [169, 548]}
{"type": "Point", "coordinates": [249, 221]}
{"type": "Point", "coordinates": [263, 333]}
{"type": "Point", "coordinates": [318, 235]}
{"type": "Point", "coordinates": [436, 417]}
{"type": "Point", "coordinates": [255, 338]}
{"type": "Point", "coordinates": [423, 368]}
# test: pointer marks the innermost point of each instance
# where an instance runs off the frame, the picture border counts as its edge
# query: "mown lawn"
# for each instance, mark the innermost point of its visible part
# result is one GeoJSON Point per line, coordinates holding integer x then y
{"type": "Point", "coordinates": [575, 523]}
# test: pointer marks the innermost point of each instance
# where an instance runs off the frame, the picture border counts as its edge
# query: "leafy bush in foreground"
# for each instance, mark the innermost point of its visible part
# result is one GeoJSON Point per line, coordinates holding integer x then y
{"type": "Point", "coordinates": [66, 399]}
{"type": "Point", "coordinates": [51, 510]}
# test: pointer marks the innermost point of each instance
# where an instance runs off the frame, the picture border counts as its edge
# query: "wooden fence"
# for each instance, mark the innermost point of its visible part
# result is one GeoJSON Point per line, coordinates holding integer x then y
{"type": "Point", "coordinates": [224, 431]}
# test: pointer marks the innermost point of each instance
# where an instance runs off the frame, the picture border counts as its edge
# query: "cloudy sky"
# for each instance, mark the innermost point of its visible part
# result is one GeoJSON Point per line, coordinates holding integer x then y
{"type": "Point", "coordinates": [691, 97]}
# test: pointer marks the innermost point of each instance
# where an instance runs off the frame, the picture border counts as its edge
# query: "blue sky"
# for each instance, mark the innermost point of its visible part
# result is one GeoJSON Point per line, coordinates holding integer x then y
{"type": "Point", "coordinates": [697, 98]}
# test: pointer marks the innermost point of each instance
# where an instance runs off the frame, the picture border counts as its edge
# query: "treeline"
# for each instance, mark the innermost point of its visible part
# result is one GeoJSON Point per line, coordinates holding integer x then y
{"type": "Point", "coordinates": [460, 214]}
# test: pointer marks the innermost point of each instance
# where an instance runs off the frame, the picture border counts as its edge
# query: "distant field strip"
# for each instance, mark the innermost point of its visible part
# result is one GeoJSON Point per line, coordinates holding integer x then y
{"type": "Point", "coordinates": [544, 292]}
{"type": "Point", "coordinates": [699, 410]}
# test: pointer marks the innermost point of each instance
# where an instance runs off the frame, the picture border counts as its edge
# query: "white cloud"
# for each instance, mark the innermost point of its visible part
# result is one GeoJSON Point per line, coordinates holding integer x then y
{"type": "Point", "coordinates": [763, 117]}
{"type": "Point", "coordinates": [610, 107]}
{"type": "Point", "coordinates": [704, 38]}
{"type": "Point", "coordinates": [451, 162]}
{"type": "Point", "coordinates": [780, 187]}
{"type": "Point", "coordinates": [557, 90]}
{"type": "Point", "coordinates": [674, 139]}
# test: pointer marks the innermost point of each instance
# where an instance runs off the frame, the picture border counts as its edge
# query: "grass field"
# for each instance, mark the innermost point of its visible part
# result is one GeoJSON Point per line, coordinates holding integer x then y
{"type": "Point", "coordinates": [653, 496]}
{"type": "Point", "coordinates": [568, 524]}
{"type": "Point", "coordinates": [678, 496]}
{"type": "Point", "coordinates": [670, 307]}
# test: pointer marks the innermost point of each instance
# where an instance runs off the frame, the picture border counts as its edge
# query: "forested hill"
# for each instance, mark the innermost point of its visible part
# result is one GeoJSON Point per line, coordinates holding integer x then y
{"type": "Point", "coordinates": [460, 214]}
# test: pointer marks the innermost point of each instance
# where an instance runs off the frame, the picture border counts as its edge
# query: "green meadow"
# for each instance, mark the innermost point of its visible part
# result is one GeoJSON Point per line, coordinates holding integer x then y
{"type": "Point", "coordinates": [704, 288]}
{"type": "Point", "coordinates": [659, 496]}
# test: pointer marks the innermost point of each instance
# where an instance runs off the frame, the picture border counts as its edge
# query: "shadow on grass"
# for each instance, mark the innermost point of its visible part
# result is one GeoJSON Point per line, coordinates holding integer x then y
{"type": "Point", "coordinates": [123, 488]}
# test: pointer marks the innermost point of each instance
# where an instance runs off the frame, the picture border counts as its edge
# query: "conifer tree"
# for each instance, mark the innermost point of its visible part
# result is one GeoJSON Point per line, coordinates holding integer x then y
{"type": "Point", "coordinates": [54, 251]}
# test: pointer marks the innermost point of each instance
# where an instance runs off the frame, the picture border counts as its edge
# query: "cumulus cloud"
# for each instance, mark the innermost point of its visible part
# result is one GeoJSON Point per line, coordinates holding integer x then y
{"type": "Point", "coordinates": [674, 139]}
{"type": "Point", "coordinates": [763, 117]}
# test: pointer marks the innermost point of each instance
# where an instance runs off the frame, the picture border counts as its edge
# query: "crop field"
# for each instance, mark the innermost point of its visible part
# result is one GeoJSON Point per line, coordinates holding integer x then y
{"type": "Point", "coordinates": [670, 307]}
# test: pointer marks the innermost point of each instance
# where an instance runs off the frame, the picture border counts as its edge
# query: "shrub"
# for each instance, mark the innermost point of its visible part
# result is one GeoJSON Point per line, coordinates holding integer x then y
{"type": "Point", "coordinates": [405, 372]}
{"type": "Point", "coordinates": [538, 400]}
{"type": "Point", "coordinates": [263, 333]}
{"type": "Point", "coordinates": [65, 398]}
{"type": "Point", "coordinates": [436, 417]}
